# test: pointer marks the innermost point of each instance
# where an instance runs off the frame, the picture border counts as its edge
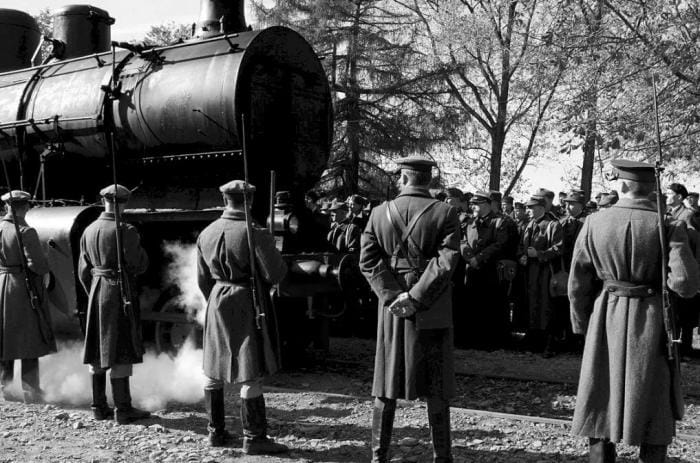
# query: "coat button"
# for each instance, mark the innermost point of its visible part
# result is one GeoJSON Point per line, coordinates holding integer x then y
{"type": "Point", "coordinates": [650, 291]}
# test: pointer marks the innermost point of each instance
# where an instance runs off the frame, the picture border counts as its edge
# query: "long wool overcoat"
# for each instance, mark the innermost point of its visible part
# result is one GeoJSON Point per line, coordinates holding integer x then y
{"type": "Point", "coordinates": [625, 389]}
{"type": "Point", "coordinates": [546, 236]}
{"type": "Point", "coordinates": [234, 349]}
{"type": "Point", "coordinates": [111, 337]}
{"type": "Point", "coordinates": [20, 335]}
{"type": "Point", "coordinates": [404, 344]}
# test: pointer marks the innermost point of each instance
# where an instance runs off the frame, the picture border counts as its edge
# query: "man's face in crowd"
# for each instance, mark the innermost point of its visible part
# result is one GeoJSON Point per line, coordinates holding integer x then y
{"type": "Point", "coordinates": [520, 213]}
{"type": "Point", "coordinates": [535, 212]}
{"type": "Point", "coordinates": [338, 215]}
{"type": "Point", "coordinates": [691, 201]}
{"type": "Point", "coordinates": [507, 207]}
{"type": "Point", "coordinates": [481, 209]}
{"type": "Point", "coordinates": [673, 199]}
{"type": "Point", "coordinates": [574, 209]}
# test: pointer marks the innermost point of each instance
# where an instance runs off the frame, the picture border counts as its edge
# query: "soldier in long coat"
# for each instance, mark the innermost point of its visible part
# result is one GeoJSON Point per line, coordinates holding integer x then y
{"type": "Point", "coordinates": [410, 271]}
{"type": "Point", "coordinates": [20, 330]}
{"type": "Point", "coordinates": [344, 234]}
{"type": "Point", "coordinates": [540, 254]}
{"type": "Point", "coordinates": [235, 350]}
{"type": "Point", "coordinates": [112, 329]}
{"type": "Point", "coordinates": [626, 391]}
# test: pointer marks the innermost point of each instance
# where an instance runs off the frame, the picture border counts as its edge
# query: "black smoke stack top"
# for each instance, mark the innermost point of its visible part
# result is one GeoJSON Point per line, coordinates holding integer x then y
{"type": "Point", "coordinates": [19, 36]}
{"type": "Point", "coordinates": [218, 17]}
{"type": "Point", "coordinates": [83, 29]}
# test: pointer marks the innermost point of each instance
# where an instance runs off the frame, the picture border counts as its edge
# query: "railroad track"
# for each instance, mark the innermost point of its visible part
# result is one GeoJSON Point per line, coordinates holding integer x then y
{"type": "Point", "coordinates": [468, 411]}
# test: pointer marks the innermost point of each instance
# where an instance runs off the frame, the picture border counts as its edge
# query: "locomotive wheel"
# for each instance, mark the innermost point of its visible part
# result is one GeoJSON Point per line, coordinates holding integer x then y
{"type": "Point", "coordinates": [171, 336]}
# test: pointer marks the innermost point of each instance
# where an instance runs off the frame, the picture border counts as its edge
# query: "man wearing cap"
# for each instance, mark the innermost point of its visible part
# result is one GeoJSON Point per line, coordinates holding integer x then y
{"type": "Point", "coordinates": [356, 205]}
{"type": "Point", "coordinates": [409, 250]}
{"type": "Point", "coordinates": [688, 309]}
{"type": "Point", "coordinates": [21, 335]}
{"type": "Point", "coordinates": [549, 207]}
{"type": "Point", "coordinates": [608, 199]}
{"type": "Point", "coordinates": [540, 254]}
{"type": "Point", "coordinates": [511, 248]}
{"type": "Point", "coordinates": [344, 235]}
{"type": "Point", "coordinates": [112, 329]}
{"type": "Point", "coordinates": [484, 325]}
{"type": "Point", "coordinates": [235, 350]}
{"type": "Point", "coordinates": [507, 206]}
{"type": "Point", "coordinates": [626, 391]}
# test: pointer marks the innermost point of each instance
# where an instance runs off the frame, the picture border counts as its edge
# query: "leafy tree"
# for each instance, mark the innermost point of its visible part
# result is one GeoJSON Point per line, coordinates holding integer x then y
{"type": "Point", "coordinates": [167, 33]}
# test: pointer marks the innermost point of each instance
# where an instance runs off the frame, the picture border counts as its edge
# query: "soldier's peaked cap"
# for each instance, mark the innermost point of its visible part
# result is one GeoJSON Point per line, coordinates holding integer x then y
{"type": "Point", "coordinates": [237, 187]}
{"type": "Point", "coordinates": [16, 196]}
{"type": "Point", "coordinates": [418, 163]}
{"type": "Point", "coordinates": [545, 193]}
{"type": "Point", "coordinates": [481, 197]}
{"type": "Point", "coordinates": [575, 196]}
{"type": "Point", "coordinates": [535, 201]}
{"type": "Point", "coordinates": [114, 192]}
{"type": "Point", "coordinates": [633, 170]}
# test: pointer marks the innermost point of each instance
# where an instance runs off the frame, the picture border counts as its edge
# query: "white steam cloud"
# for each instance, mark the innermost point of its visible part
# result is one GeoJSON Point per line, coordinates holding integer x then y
{"type": "Point", "coordinates": [159, 380]}
{"type": "Point", "coordinates": [182, 272]}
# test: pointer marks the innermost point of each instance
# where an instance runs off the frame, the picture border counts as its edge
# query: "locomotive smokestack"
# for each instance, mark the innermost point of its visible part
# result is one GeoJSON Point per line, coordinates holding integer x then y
{"type": "Point", "coordinates": [218, 17]}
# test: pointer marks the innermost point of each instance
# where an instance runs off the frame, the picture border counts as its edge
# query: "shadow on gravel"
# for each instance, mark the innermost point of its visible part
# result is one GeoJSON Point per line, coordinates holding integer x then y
{"type": "Point", "coordinates": [192, 423]}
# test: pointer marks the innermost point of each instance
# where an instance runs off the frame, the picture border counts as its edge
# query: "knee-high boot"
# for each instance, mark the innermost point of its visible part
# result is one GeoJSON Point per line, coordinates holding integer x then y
{"type": "Point", "coordinates": [254, 423]}
{"type": "Point", "coordinates": [30, 381]}
{"type": "Point", "coordinates": [601, 451]}
{"type": "Point", "coordinates": [214, 403]}
{"type": "Point", "coordinates": [100, 409]}
{"type": "Point", "coordinates": [439, 419]}
{"type": "Point", "coordinates": [382, 425]}
{"type": "Point", "coordinates": [652, 453]}
{"type": "Point", "coordinates": [125, 413]}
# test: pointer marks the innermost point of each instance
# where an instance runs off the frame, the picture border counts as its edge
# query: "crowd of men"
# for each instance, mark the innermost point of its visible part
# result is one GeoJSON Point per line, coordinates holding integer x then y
{"type": "Point", "coordinates": [470, 266]}
{"type": "Point", "coordinates": [512, 256]}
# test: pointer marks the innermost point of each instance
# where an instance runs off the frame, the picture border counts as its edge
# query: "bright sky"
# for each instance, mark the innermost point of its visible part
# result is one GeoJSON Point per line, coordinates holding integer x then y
{"type": "Point", "coordinates": [133, 17]}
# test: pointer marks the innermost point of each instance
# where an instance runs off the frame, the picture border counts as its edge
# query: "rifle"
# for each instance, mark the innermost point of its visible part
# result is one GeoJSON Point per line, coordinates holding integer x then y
{"type": "Point", "coordinates": [44, 326]}
{"type": "Point", "coordinates": [668, 311]}
{"type": "Point", "coordinates": [122, 277]}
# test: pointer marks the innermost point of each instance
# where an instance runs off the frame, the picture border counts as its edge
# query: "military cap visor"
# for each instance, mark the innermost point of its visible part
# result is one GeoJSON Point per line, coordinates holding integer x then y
{"type": "Point", "coordinates": [117, 193]}
{"type": "Point", "coordinates": [16, 196]}
{"type": "Point", "coordinates": [480, 197]}
{"type": "Point", "coordinates": [418, 163]}
{"type": "Point", "coordinates": [237, 187]}
{"type": "Point", "coordinates": [633, 170]}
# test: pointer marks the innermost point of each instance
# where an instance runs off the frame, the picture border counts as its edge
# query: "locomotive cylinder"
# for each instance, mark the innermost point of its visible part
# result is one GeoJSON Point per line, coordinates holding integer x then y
{"type": "Point", "coordinates": [83, 29]}
{"type": "Point", "coordinates": [218, 17]}
{"type": "Point", "coordinates": [19, 36]}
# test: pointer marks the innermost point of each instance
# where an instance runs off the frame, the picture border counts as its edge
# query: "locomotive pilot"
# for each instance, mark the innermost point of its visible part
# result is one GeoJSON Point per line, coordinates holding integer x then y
{"type": "Point", "coordinates": [409, 252]}
{"type": "Point", "coordinates": [112, 329]}
{"type": "Point", "coordinates": [235, 349]}
{"type": "Point", "coordinates": [24, 332]}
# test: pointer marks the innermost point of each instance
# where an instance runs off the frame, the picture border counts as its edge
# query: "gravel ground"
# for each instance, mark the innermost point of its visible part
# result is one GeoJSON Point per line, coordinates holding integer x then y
{"type": "Point", "coordinates": [329, 420]}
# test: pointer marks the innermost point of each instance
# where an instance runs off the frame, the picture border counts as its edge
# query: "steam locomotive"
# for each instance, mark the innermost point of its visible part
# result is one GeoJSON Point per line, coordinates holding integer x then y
{"type": "Point", "coordinates": [173, 118]}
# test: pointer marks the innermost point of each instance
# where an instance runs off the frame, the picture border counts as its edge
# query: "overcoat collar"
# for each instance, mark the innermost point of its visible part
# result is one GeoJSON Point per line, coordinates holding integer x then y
{"type": "Point", "coordinates": [635, 203]}
{"type": "Point", "coordinates": [106, 216]}
{"type": "Point", "coordinates": [233, 215]}
{"type": "Point", "coordinates": [10, 218]}
{"type": "Point", "coordinates": [415, 191]}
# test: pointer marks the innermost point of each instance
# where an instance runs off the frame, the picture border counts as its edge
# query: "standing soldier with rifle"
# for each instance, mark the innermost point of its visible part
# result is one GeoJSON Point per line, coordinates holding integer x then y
{"type": "Point", "coordinates": [236, 261]}
{"type": "Point", "coordinates": [109, 262]}
{"type": "Point", "coordinates": [409, 252]}
{"type": "Point", "coordinates": [629, 387]}
{"type": "Point", "coordinates": [25, 328]}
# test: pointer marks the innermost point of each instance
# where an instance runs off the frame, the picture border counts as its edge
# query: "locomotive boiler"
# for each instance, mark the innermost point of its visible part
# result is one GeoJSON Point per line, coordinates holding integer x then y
{"type": "Point", "coordinates": [173, 117]}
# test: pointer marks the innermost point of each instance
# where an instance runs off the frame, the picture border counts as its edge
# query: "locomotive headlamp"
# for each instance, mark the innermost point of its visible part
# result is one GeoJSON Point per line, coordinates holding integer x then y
{"type": "Point", "coordinates": [286, 222]}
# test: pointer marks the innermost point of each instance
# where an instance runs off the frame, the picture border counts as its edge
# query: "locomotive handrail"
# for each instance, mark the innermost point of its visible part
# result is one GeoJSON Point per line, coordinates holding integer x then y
{"type": "Point", "coordinates": [175, 157]}
{"type": "Point", "coordinates": [47, 121]}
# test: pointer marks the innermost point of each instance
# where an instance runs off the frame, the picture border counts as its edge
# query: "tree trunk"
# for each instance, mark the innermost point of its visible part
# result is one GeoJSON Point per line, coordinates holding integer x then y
{"type": "Point", "coordinates": [353, 104]}
{"type": "Point", "coordinates": [589, 146]}
{"type": "Point", "coordinates": [498, 138]}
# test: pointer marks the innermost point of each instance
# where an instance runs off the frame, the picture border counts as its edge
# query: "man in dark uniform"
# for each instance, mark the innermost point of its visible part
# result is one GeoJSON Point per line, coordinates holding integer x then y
{"type": "Point", "coordinates": [409, 250]}
{"type": "Point", "coordinates": [235, 349]}
{"type": "Point", "coordinates": [112, 329]}
{"type": "Point", "coordinates": [550, 208]}
{"type": "Point", "coordinates": [626, 390]}
{"type": "Point", "coordinates": [356, 205]}
{"type": "Point", "coordinates": [507, 206]}
{"type": "Point", "coordinates": [688, 308]}
{"type": "Point", "coordinates": [344, 234]}
{"type": "Point", "coordinates": [20, 330]}
{"type": "Point", "coordinates": [487, 236]}
{"type": "Point", "coordinates": [540, 256]}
